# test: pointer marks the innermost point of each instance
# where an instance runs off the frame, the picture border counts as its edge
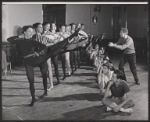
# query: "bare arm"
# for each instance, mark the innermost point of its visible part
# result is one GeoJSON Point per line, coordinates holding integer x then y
{"type": "Point", "coordinates": [108, 89]}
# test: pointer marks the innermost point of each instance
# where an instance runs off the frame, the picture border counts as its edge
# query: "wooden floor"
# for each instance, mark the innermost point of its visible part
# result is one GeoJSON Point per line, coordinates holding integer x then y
{"type": "Point", "coordinates": [76, 98]}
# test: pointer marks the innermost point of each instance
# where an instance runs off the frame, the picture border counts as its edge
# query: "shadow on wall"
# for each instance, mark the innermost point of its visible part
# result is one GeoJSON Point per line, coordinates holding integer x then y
{"type": "Point", "coordinates": [3, 15]}
{"type": "Point", "coordinates": [3, 35]}
{"type": "Point", "coordinates": [17, 30]}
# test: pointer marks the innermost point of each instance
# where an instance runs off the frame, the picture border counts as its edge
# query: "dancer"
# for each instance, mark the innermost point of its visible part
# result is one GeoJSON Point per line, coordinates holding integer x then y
{"type": "Point", "coordinates": [44, 40]}
{"type": "Point", "coordinates": [65, 56]}
{"type": "Point", "coordinates": [56, 37]}
{"type": "Point", "coordinates": [51, 36]}
{"type": "Point", "coordinates": [25, 47]}
{"type": "Point", "coordinates": [62, 31]}
{"type": "Point", "coordinates": [73, 58]}
{"type": "Point", "coordinates": [35, 54]}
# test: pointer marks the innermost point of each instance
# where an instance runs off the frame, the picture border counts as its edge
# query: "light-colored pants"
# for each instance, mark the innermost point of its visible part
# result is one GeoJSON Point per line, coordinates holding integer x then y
{"type": "Point", "coordinates": [50, 73]}
{"type": "Point", "coordinates": [67, 58]}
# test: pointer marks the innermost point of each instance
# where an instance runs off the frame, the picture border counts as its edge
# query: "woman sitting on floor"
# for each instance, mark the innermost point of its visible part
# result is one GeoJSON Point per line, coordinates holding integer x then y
{"type": "Point", "coordinates": [120, 99]}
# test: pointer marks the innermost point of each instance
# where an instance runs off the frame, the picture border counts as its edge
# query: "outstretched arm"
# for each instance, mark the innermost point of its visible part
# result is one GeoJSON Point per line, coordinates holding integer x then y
{"type": "Point", "coordinates": [124, 46]}
{"type": "Point", "coordinates": [13, 39]}
{"type": "Point", "coordinates": [121, 47]}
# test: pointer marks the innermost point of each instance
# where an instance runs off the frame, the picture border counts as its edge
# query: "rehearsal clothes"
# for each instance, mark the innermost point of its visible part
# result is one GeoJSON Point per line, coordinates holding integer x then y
{"type": "Point", "coordinates": [129, 56]}
{"type": "Point", "coordinates": [117, 94]}
{"type": "Point", "coordinates": [27, 47]}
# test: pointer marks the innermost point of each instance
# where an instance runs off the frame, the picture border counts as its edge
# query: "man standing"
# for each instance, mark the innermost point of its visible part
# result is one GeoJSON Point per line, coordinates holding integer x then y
{"type": "Point", "coordinates": [126, 43]}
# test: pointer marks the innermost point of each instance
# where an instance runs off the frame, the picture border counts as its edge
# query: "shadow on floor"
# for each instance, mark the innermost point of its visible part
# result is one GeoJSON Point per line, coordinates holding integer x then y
{"type": "Point", "coordinates": [18, 105]}
{"type": "Point", "coordinates": [85, 74]}
{"type": "Point", "coordinates": [20, 95]}
{"type": "Point", "coordinates": [85, 96]}
{"type": "Point", "coordinates": [16, 88]}
{"type": "Point", "coordinates": [87, 68]}
{"type": "Point", "coordinates": [82, 83]}
{"type": "Point", "coordinates": [23, 81]}
{"type": "Point", "coordinates": [90, 113]}
{"type": "Point", "coordinates": [21, 74]}
{"type": "Point", "coordinates": [131, 85]}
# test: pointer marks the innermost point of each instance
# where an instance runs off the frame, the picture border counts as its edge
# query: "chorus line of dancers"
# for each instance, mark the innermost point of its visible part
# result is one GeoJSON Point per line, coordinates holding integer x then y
{"type": "Point", "coordinates": [40, 43]}
{"type": "Point", "coordinates": [68, 58]}
{"type": "Point", "coordinates": [111, 80]}
{"type": "Point", "coordinates": [39, 49]}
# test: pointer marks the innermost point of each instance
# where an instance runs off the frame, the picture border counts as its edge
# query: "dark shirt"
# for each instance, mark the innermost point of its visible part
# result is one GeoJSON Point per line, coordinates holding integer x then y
{"type": "Point", "coordinates": [26, 46]}
{"type": "Point", "coordinates": [120, 90]}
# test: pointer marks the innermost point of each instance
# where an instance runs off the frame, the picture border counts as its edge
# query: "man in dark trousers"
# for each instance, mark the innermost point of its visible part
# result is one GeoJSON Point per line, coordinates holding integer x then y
{"type": "Point", "coordinates": [35, 54]}
{"type": "Point", "coordinates": [126, 43]}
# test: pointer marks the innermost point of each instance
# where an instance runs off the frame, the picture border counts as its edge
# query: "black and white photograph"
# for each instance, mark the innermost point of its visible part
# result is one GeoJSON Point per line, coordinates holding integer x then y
{"type": "Point", "coordinates": [77, 61]}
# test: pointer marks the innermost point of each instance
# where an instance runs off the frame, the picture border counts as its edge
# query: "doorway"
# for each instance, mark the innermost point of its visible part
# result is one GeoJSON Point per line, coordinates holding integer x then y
{"type": "Point", "coordinates": [54, 13]}
{"type": "Point", "coordinates": [119, 20]}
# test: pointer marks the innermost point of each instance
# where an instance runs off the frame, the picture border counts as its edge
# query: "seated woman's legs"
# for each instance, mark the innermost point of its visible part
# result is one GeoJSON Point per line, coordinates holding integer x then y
{"type": "Point", "coordinates": [111, 104]}
{"type": "Point", "coordinates": [108, 102]}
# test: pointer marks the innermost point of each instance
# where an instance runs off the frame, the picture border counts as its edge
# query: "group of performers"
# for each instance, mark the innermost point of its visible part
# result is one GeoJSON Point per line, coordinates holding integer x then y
{"type": "Point", "coordinates": [111, 80]}
{"type": "Point", "coordinates": [40, 43]}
